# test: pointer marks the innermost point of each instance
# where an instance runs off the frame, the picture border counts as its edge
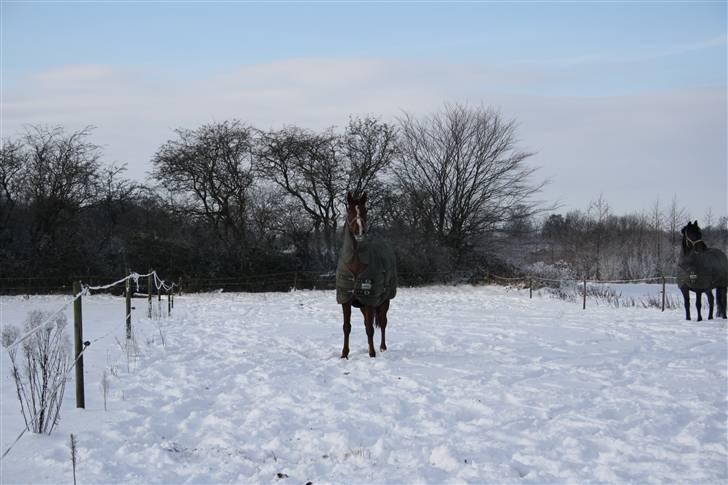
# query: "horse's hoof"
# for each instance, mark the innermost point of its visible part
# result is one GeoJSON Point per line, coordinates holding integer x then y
{"type": "Point", "coordinates": [372, 354]}
{"type": "Point", "coordinates": [383, 348]}
{"type": "Point", "coordinates": [345, 354]}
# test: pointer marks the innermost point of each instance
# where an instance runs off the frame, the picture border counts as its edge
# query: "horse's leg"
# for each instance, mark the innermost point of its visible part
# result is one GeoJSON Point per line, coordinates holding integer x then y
{"type": "Point", "coordinates": [346, 307]}
{"type": "Point", "coordinates": [720, 300]}
{"type": "Point", "coordinates": [719, 303]}
{"type": "Point", "coordinates": [382, 323]}
{"type": "Point", "coordinates": [709, 294]}
{"type": "Point", "coordinates": [686, 298]}
{"type": "Point", "coordinates": [369, 324]}
{"type": "Point", "coordinates": [699, 303]}
{"type": "Point", "coordinates": [723, 294]}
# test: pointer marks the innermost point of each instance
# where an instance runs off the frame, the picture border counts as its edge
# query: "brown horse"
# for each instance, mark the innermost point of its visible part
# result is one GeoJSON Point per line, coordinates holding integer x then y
{"type": "Point", "coordinates": [366, 275]}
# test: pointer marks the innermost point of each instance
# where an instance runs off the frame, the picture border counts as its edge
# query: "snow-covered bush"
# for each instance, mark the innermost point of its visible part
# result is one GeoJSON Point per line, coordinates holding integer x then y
{"type": "Point", "coordinates": [39, 371]}
{"type": "Point", "coordinates": [550, 274]}
{"type": "Point", "coordinates": [557, 278]}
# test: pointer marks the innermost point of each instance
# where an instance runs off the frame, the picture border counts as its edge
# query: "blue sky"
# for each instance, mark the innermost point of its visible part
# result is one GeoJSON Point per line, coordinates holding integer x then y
{"type": "Point", "coordinates": [597, 71]}
{"type": "Point", "coordinates": [195, 37]}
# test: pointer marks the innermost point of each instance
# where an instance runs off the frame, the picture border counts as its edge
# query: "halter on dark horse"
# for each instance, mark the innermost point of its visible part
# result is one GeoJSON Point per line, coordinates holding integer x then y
{"type": "Point", "coordinates": [366, 275]}
{"type": "Point", "coordinates": [700, 269]}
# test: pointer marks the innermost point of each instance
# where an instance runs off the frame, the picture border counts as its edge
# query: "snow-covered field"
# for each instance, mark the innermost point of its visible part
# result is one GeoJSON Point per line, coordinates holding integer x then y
{"type": "Point", "coordinates": [480, 385]}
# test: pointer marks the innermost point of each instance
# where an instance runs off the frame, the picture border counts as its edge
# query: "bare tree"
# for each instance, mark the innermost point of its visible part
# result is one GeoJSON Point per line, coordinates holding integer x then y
{"type": "Point", "coordinates": [599, 213]}
{"type": "Point", "coordinates": [12, 160]}
{"type": "Point", "coordinates": [657, 223]}
{"type": "Point", "coordinates": [370, 148]}
{"type": "Point", "coordinates": [208, 171]}
{"type": "Point", "coordinates": [114, 194]}
{"type": "Point", "coordinates": [465, 162]}
{"type": "Point", "coordinates": [675, 218]}
{"type": "Point", "coordinates": [307, 167]}
{"type": "Point", "coordinates": [316, 170]}
{"type": "Point", "coordinates": [58, 180]}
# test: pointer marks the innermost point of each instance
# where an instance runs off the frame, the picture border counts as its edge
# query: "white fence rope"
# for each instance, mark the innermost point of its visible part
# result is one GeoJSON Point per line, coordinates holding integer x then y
{"type": "Point", "coordinates": [85, 291]}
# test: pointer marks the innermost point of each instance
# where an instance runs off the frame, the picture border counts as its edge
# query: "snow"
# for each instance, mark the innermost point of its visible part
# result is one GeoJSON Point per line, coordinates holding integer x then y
{"type": "Point", "coordinates": [479, 385]}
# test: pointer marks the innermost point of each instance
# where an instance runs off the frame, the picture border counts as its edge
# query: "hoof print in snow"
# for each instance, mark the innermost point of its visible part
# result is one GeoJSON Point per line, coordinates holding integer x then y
{"type": "Point", "coordinates": [281, 475]}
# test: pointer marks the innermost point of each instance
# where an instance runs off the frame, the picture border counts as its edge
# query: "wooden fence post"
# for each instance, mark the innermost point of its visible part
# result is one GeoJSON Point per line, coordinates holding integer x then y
{"type": "Point", "coordinates": [128, 309]}
{"type": "Point", "coordinates": [530, 287]}
{"type": "Point", "coordinates": [169, 303]}
{"type": "Point", "coordinates": [295, 280]}
{"type": "Point", "coordinates": [78, 345]}
{"type": "Point", "coordinates": [663, 293]}
{"type": "Point", "coordinates": [159, 299]}
{"type": "Point", "coordinates": [149, 294]}
{"type": "Point", "coordinates": [173, 295]}
{"type": "Point", "coordinates": [584, 305]}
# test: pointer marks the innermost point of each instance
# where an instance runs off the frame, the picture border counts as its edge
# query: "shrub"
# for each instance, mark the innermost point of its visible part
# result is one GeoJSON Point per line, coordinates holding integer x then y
{"type": "Point", "coordinates": [40, 370]}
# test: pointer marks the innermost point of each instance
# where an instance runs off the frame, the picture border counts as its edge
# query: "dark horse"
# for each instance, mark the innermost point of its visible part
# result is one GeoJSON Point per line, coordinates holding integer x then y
{"type": "Point", "coordinates": [700, 269]}
{"type": "Point", "coordinates": [366, 275]}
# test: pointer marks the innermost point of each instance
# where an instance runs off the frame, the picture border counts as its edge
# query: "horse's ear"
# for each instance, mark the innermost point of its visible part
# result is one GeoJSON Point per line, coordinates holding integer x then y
{"type": "Point", "coordinates": [696, 222]}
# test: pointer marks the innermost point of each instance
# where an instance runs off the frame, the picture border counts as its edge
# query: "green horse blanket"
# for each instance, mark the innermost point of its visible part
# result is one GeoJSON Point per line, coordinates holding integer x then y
{"type": "Point", "coordinates": [375, 284]}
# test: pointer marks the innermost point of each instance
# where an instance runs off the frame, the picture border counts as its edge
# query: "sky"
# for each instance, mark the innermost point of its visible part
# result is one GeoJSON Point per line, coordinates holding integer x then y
{"type": "Point", "coordinates": [620, 100]}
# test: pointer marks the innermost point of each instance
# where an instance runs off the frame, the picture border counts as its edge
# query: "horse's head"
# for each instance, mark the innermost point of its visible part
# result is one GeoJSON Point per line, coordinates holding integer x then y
{"type": "Point", "coordinates": [356, 215]}
{"type": "Point", "coordinates": [692, 236]}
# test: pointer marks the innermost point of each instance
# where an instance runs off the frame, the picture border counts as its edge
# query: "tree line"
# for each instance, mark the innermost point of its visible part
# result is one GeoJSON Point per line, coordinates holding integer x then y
{"type": "Point", "coordinates": [451, 189]}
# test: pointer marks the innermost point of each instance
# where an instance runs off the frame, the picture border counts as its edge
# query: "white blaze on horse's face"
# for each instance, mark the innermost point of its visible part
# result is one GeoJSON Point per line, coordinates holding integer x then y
{"type": "Point", "coordinates": [357, 221]}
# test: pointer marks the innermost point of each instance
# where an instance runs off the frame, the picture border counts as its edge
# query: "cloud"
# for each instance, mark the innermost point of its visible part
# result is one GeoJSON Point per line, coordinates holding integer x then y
{"type": "Point", "coordinates": [72, 75]}
{"type": "Point", "coordinates": [633, 148]}
{"type": "Point", "coordinates": [633, 55]}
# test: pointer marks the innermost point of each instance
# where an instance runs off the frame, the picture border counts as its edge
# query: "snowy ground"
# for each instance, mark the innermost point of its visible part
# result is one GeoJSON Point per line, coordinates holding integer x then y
{"type": "Point", "coordinates": [480, 385]}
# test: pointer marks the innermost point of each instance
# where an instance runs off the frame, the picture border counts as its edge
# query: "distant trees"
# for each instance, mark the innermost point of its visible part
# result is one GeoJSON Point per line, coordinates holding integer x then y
{"type": "Point", "coordinates": [601, 245]}
{"type": "Point", "coordinates": [48, 176]}
{"type": "Point", "coordinates": [452, 190]}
